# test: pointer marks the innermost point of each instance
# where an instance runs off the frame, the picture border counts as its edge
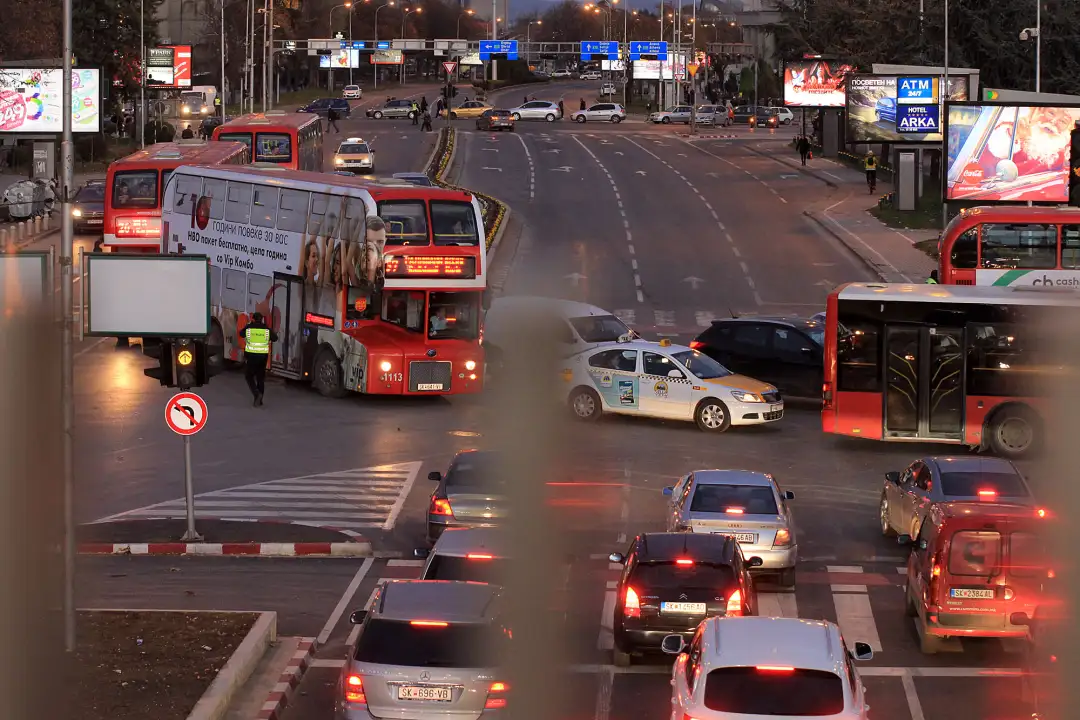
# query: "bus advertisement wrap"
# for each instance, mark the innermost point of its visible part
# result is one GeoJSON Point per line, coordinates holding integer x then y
{"type": "Point", "coordinates": [814, 83]}
{"type": "Point", "coordinates": [1001, 152]}
{"type": "Point", "coordinates": [32, 100]}
{"type": "Point", "coordinates": [1042, 279]}
{"type": "Point", "coordinates": [898, 109]}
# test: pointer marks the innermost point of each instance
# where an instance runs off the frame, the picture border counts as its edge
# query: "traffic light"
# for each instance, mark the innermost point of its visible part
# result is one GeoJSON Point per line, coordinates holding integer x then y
{"type": "Point", "coordinates": [453, 90]}
{"type": "Point", "coordinates": [184, 354]}
{"type": "Point", "coordinates": [1074, 169]}
{"type": "Point", "coordinates": [162, 352]}
{"type": "Point", "coordinates": [209, 361]}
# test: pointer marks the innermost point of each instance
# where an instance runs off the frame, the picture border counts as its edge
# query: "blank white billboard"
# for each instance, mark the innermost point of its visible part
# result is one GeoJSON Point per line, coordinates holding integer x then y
{"type": "Point", "coordinates": [147, 295]}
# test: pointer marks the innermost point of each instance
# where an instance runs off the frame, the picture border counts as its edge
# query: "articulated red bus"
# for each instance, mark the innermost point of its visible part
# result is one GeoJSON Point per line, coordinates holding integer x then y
{"type": "Point", "coordinates": [295, 247]}
{"type": "Point", "coordinates": [291, 140]}
{"type": "Point", "coordinates": [1012, 246]}
{"type": "Point", "coordinates": [135, 185]}
{"type": "Point", "coordinates": [972, 366]}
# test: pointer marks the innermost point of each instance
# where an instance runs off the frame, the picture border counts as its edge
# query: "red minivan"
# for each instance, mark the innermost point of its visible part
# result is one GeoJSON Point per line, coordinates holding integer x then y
{"type": "Point", "coordinates": [971, 568]}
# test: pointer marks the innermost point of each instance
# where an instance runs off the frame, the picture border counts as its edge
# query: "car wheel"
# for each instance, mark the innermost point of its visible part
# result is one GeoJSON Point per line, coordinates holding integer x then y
{"type": "Point", "coordinates": [585, 404]}
{"type": "Point", "coordinates": [883, 514]}
{"type": "Point", "coordinates": [550, 117]}
{"type": "Point", "coordinates": [621, 659]}
{"type": "Point", "coordinates": [788, 121]}
{"type": "Point", "coordinates": [376, 115]}
{"type": "Point", "coordinates": [616, 119]}
{"type": "Point", "coordinates": [928, 644]}
{"type": "Point", "coordinates": [453, 115]}
{"type": "Point", "coordinates": [327, 376]}
{"type": "Point", "coordinates": [516, 116]}
{"type": "Point", "coordinates": [712, 416]}
{"type": "Point", "coordinates": [787, 578]}
{"type": "Point", "coordinates": [1013, 432]}
{"type": "Point", "coordinates": [666, 120]}
{"type": "Point", "coordinates": [580, 118]}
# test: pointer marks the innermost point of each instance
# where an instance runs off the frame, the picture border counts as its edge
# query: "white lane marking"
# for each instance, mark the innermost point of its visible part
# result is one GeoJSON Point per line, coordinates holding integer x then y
{"type": "Point", "coordinates": [856, 620]}
{"type": "Point", "coordinates": [843, 569]}
{"type": "Point", "coordinates": [346, 598]}
{"type": "Point", "coordinates": [603, 695]}
{"type": "Point", "coordinates": [735, 250]}
{"type": "Point", "coordinates": [902, 570]}
{"type": "Point", "coordinates": [912, 695]}
{"type": "Point", "coordinates": [779, 605]}
{"type": "Point", "coordinates": [397, 562]}
{"type": "Point", "coordinates": [633, 263]}
{"type": "Point", "coordinates": [605, 640]}
{"type": "Point", "coordinates": [405, 489]}
{"type": "Point", "coordinates": [848, 588]}
{"type": "Point", "coordinates": [612, 584]}
{"type": "Point", "coordinates": [532, 167]}
{"type": "Point", "coordinates": [862, 242]}
{"type": "Point", "coordinates": [834, 177]}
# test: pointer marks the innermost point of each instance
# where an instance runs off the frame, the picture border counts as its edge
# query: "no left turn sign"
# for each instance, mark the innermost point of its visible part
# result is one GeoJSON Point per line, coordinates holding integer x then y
{"type": "Point", "coordinates": [185, 414]}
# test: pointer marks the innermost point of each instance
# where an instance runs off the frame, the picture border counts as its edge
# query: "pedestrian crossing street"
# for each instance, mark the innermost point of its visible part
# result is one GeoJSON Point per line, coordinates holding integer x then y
{"type": "Point", "coordinates": [350, 500]}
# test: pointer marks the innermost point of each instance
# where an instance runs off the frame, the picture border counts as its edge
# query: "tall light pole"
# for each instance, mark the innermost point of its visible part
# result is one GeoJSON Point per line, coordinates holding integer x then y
{"type": "Point", "coordinates": [944, 148]}
{"type": "Point", "coordinates": [528, 39]}
{"type": "Point", "coordinates": [221, 91]}
{"type": "Point", "coordinates": [142, 75]}
{"type": "Point", "coordinates": [67, 359]}
{"type": "Point", "coordinates": [348, 52]}
{"type": "Point", "coordinates": [660, 81]}
{"type": "Point", "coordinates": [405, 16]}
{"type": "Point", "coordinates": [377, 68]}
{"type": "Point", "coordinates": [494, 36]}
{"type": "Point", "coordinates": [457, 33]}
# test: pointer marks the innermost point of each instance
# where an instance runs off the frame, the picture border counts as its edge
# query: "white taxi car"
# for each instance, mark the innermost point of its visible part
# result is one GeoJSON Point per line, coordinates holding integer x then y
{"type": "Point", "coordinates": [637, 377]}
{"type": "Point", "coordinates": [356, 155]}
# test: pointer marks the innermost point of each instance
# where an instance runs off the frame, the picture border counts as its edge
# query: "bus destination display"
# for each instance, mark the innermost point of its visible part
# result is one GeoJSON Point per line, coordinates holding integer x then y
{"type": "Point", "coordinates": [430, 266]}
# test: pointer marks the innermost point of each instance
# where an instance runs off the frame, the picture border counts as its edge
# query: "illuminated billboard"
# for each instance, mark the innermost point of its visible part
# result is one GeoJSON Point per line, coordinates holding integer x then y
{"type": "Point", "coordinates": [1002, 152]}
{"type": "Point", "coordinates": [340, 59]}
{"type": "Point", "coordinates": [651, 69]}
{"type": "Point", "coordinates": [32, 100]}
{"type": "Point", "coordinates": [815, 83]}
{"type": "Point", "coordinates": [898, 109]}
{"type": "Point", "coordinates": [168, 66]}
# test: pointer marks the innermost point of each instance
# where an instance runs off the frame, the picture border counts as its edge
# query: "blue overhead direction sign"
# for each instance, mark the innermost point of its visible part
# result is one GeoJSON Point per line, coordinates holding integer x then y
{"type": "Point", "coordinates": [509, 48]}
{"type": "Point", "coordinates": [382, 45]}
{"type": "Point", "coordinates": [608, 48]}
{"type": "Point", "coordinates": [648, 47]}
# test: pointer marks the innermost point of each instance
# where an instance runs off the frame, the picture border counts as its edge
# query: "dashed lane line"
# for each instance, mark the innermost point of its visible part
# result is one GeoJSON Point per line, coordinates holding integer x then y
{"type": "Point", "coordinates": [532, 167]}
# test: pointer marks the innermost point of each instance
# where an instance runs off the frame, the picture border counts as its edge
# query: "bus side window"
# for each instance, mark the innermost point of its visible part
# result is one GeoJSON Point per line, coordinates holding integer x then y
{"type": "Point", "coordinates": [187, 192]}
{"type": "Point", "coordinates": [1070, 246]}
{"type": "Point", "coordinates": [965, 251]}
{"type": "Point", "coordinates": [233, 289]}
{"type": "Point", "coordinates": [238, 203]}
{"type": "Point", "coordinates": [215, 190]}
{"type": "Point", "coordinates": [858, 360]}
{"type": "Point", "coordinates": [1016, 245]}
{"type": "Point", "coordinates": [265, 205]}
{"type": "Point", "coordinates": [292, 211]}
{"type": "Point", "coordinates": [323, 217]}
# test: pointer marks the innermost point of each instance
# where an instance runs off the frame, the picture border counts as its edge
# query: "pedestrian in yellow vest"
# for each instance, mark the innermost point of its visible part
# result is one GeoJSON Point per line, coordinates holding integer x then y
{"type": "Point", "coordinates": [257, 339]}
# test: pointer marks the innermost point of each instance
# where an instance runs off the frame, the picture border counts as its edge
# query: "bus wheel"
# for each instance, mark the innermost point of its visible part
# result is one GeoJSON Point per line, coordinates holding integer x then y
{"type": "Point", "coordinates": [1013, 432]}
{"type": "Point", "coordinates": [712, 416]}
{"type": "Point", "coordinates": [327, 376]}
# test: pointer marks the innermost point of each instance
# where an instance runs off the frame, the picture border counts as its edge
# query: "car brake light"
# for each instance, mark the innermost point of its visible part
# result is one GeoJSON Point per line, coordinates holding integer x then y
{"type": "Point", "coordinates": [684, 563]}
{"type": "Point", "coordinates": [1041, 512]}
{"type": "Point", "coordinates": [138, 227]}
{"type": "Point", "coordinates": [733, 511]}
{"type": "Point", "coordinates": [695, 345]}
{"type": "Point", "coordinates": [987, 493]}
{"type": "Point", "coordinates": [631, 604]}
{"type": "Point", "coordinates": [826, 394]}
{"type": "Point", "coordinates": [1008, 593]}
{"type": "Point", "coordinates": [734, 604]}
{"type": "Point", "coordinates": [936, 572]}
{"type": "Point", "coordinates": [354, 690]}
{"type": "Point", "coordinates": [441, 506]}
{"type": "Point", "coordinates": [428, 623]}
{"type": "Point", "coordinates": [478, 556]}
{"type": "Point", "coordinates": [783, 537]}
{"type": "Point", "coordinates": [774, 669]}
{"type": "Point", "coordinates": [496, 699]}
{"type": "Point", "coordinates": [1050, 574]}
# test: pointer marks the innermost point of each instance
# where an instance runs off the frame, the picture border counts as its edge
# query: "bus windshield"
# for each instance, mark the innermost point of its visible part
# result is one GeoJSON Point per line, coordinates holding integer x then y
{"type": "Point", "coordinates": [454, 223]}
{"type": "Point", "coordinates": [273, 147]}
{"type": "Point", "coordinates": [454, 316]}
{"type": "Point", "coordinates": [135, 189]}
{"type": "Point", "coordinates": [243, 137]}
{"type": "Point", "coordinates": [406, 222]}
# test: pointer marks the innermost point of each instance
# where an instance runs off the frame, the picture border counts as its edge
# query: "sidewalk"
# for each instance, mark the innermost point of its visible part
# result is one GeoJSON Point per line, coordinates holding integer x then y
{"type": "Point", "coordinates": [889, 253]}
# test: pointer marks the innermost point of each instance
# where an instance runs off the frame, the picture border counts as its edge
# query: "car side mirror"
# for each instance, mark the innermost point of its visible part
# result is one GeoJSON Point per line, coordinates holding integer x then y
{"type": "Point", "coordinates": [863, 652]}
{"type": "Point", "coordinates": [755, 562]}
{"type": "Point", "coordinates": [421, 553]}
{"type": "Point", "coordinates": [435, 476]}
{"type": "Point", "coordinates": [616, 558]}
{"type": "Point", "coordinates": [893, 477]}
{"type": "Point", "coordinates": [673, 644]}
{"type": "Point", "coordinates": [788, 495]}
{"type": "Point", "coordinates": [358, 616]}
{"type": "Point", "coordinates": [904, 540]}
{"type": "Point", "coordinates": [669, 491]}
{"type": "Point", "coordinates": [1019, 618]}
{"type": "Point", "coordinates": [675, 374]}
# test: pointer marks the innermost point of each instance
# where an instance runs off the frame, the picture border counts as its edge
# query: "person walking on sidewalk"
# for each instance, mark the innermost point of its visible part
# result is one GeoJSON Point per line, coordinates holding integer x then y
{"type": "Point", "coordinates": [562, 109]}
{"type": "Point", "coordinates": [331, 119]}
{"type": "Point", "coordinates": [870, 165]}
{"type": "Point", "coordinates": [804, 147]}
{"type": "Point", "coordinates": [257, 339]}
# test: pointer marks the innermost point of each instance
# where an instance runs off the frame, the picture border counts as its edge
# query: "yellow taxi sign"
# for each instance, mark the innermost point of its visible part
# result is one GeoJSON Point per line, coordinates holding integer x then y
{"type": "Point", "coordinates": [692, 69]}
{"type": "Point", "coordinates": [184, 357]}
{"type": "Point", "coordinates": [665, 343]}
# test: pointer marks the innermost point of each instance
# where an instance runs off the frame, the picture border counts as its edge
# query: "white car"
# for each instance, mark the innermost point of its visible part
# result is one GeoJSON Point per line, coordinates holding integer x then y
{"type": "Point", "coordinates": [602, 112]}
{"type": "Point", "coordinates": [591, 75]}
{"type": "Point", "coordinates": [662, 380]}
{"type": "Point", "coordinates": [783, 115]}
{"type": "Point", "coordinates": [677, 113]}
{"type": "Point", "coordinates": [352, 92]}
{"type": "Point", "coordinates": [564, 73]}
{"type": "Point", "coordinates": [537, 110]}
{"type": "Point", "coordinates": [758, 667]}
{"type": "Point", "coordinates": [608, 88]}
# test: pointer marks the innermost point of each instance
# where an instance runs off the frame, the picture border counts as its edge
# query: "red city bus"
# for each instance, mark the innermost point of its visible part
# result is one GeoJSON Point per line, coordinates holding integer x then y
{"type": "Point", "coordinates": [135, 185]}
{"type": "Point", "coordinates": [971, 366]}
{"type": "Point", "coordinates": [1005, 246]}
{"type": "Point", "coordinates": [292, 246]}
{"type": "Point", "coordinates": [291, 140]}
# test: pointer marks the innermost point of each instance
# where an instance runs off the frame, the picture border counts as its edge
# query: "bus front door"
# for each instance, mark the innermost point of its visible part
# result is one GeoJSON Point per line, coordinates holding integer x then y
{"type": "Point", "coordinates": [286, 307]}
{"type": "Point", "coordinates": [924, 382]}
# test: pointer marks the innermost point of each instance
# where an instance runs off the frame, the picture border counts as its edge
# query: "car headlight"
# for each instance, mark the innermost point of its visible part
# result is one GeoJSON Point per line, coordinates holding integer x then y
{"type": "Point", "coordinates": [185, 110]}
{"type": "Point", "coordinates": [339, 161]}
{"type": "Point", "coordinates": [385, 366]}
{"type": "Point", "coordinates": [470, 365]}
{"type": "Point", "coordinates": [76, 212]}
{"type": "Point", "coordinates": [746, 397]}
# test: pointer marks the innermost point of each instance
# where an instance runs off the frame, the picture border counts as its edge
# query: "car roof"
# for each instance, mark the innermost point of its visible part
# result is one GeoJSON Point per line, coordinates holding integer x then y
{"type": "Point", "coordinates": [792, 642]}
{"type": "Point", "coordinates": [406, 175]}
{"type": "Point", "coordinates": [650, 345]}
{"type": "Point", "coordinates": [732, 477]}
{"type": "Point", "coordinates": [802, 323]}
{"type": "Point", "coordinates": [663, 546]}
{"type": "Point", "coordinates": [459, 542]}
{"type": "Point", "coordinates": [439, 600]}
{"type": "Point", "coordinates": [972, 464]}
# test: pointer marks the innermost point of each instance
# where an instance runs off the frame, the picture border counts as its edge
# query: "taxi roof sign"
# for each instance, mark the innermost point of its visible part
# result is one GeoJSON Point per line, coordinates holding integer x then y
{"type": "Point", "coordinates": [354, 140]}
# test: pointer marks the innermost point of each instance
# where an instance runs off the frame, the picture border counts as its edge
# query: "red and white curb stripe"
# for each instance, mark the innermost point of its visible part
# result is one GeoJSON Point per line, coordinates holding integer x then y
{"type": "Point", "coordinates": [328, 549]}
{"type": "Point", "coordinates": [290, 677]}
{"type": "Point", "coordinates": [259, 521]}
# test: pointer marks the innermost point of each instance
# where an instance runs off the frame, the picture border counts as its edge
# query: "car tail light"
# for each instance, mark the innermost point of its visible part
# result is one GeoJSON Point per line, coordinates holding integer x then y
{"type": "Point", "coordinates": [1008, 593]}
{"type": "Point", "coordinates": [138, 227]}
{"type": "Point", "coordinates": [354, 690]}
{"type": "Point", "coordinates": [733, 511]}
{"type": "Point", "coordinates": [1041, 512]}
{"type": "Point", "coordinates": [478, 556]}
{"type": "Point", "coordinates": [682, 562]}
{"type": "Point", "coordinates": [631, 604]}
{"type": "Point", "coordinates": [774, 669]}
{"type": "Point", "coordinates": [441, 506]}
{"type": "Point", "coordinates": [987, 494]}
{"type": "Point", "coordinates": [734, 604]}
{"type": "Point", "coordinates": [496, 699]}
{"type": "Point", "coordinates": [935, 579]}
{"type": "Point", "coordinates": [695, 345]}
{"type": "Point", "coordinates": [428, 623]}
{"type": "Point", "coordinates": [783, 538]}
{"type": "Point", "coordinates": [688, 717]}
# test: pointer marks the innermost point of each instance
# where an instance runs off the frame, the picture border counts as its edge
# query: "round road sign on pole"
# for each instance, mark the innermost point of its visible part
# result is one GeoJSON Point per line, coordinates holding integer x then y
{"type": "Point", "coordinates": [186, 413]}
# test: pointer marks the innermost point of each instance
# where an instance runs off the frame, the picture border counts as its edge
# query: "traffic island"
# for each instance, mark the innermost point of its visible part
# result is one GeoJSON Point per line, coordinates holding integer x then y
{"type": "Point", "coordinates": [139, 664]}
{"type": "Point", "coordinates": [439, 169]}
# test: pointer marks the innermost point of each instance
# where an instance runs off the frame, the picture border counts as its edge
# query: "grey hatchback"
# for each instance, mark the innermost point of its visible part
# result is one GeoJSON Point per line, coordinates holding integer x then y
{"type": "Point", "coordinates": [392, 109]}
{"type": "Point", "coordinates": [427, 649]}
{"type": "Point", "coordinates": [471, 494]}
{"type": "Point", "coordinates": [907, 496]}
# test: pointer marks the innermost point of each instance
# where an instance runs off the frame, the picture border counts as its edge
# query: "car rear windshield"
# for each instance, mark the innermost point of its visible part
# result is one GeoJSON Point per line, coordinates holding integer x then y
{"type": "Point", "coordinates": [751, 499]}
{"type": "Point", "coordinates": [352, 148]}
{"type": "Point", "coordinates": [135, 189]}
{"type": "Point", "coordinates": [485, 570]}
{"type": "Point", "coordinates": [482, 471]}
{"type": "Point", "coordinates": [455, 645]}
{"type": "Point", "coordinates": [794, 693]}
{"type": "Point", "coordinates": [975, 553]}
{"type": "Point", "coordinates": [668, 574]}
{"type": "Point", "coordinates": [599, 328]}
{"type": "Point", "coordinates": [969, 484]}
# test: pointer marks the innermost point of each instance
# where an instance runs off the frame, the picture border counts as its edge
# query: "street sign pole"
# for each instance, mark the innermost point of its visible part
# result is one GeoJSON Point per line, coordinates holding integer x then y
{"type": "Point", "coordinates": [189, 495]}
{"type": "Point", "coordinates": [185, 414]}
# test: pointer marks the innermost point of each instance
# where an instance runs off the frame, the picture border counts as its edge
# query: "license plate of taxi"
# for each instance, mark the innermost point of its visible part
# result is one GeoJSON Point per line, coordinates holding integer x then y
{"type": "Point", "coordinates": [745, 538]}
{"type": "Point", "coordinates": [429, 386]}
{"type": "Point", "coordinates": [972, 593]}
{"type": "Point", "coordinates": [685, 608]}
{"type": "Point", "coordinates": [419, 692]}
{"type": "Point", "coordinates": [776, 408]}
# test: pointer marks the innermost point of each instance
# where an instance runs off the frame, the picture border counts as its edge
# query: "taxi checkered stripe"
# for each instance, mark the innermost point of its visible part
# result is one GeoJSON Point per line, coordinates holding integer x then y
{"type": "Point", "coordinates": [669, 380]}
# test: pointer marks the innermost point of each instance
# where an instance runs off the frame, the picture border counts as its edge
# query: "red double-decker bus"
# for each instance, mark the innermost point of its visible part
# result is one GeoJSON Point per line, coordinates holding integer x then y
{"type": "Point", "coordinates": [1012, 246]}
{"type": "Point", "coordinates": [135, 186]}
{"type": "Point", "coordinates": [291, 140]}
{"type": "Point", "coordinates": [973, 366]}
{"type": "Point", "coordinates": [298, 248]}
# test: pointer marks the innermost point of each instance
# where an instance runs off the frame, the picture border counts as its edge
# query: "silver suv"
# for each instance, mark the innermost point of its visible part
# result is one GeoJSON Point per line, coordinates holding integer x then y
{"type": "Point", "coordinates": [427, 649]}
{"type": "Point", "coordinates": [392, 109]}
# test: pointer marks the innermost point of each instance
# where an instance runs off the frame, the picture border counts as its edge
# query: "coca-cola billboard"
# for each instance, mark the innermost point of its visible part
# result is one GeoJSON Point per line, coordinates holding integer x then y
{"type": "Point", "coordinates": [32, 100]}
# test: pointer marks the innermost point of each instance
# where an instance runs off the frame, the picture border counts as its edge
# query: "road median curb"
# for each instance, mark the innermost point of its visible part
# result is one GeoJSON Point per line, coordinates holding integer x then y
{"type": "Point", "coordinates": [214, 703]}
{"type": "Point", "coordinates": [290, 678]}
{"type": "Point", "coordinates": [826, 225]}
{"type": "Point", "coordinates": [798, 168]}
{"type": "Point", "coordinates": [300, 549]}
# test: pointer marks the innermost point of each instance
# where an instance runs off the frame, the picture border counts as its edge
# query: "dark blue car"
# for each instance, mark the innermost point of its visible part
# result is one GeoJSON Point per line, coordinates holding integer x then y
{"type": "Point", "coordinates": [886, 109]}
{"type": "Point", "coordinates": [322, 106]}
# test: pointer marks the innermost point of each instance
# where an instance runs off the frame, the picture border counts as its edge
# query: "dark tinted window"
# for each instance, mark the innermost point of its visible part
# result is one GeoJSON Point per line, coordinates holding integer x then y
{"type": "Point", "coordinates": [1070, 246]}
{"type": "Point", "coordinates": [965, 250]}
{"type": "Point", "coordinates": [669, 575]}
{"type": "Point", "coordinates": [135, 189]}
{"type": "Point", "coordinates": [751, 499]}
{"type": "Point", "coordinates": [406, 222]}
{"type": "Point", "coordinates": [454, 223]}
{"type": "Point", "coordinates": [1012, 359]}
{"type": "Point", "coordinates": [969, 484]}
{"type": "Point", "coordinates": [244, 137]}
{"type": "Point", "coordinates": [749, 691]}
{"type": "Point", "coordinates": [353, 148]}
{"type": "Point", "coordinates": [475, 470]}
{"type": "Point", "coordinates": [857, 358]}
{"type": "Point", "coordinates": [622, 360]}
{"type": "Point", "coordinates": [753, 336]}
{"type": "Point", "coordinates": [975, 552]}
{"type": "Point", "coordinates": [1019, 246]}
{"type": "Point", "coordinates": [445, 567]}
{"type": "Point", "coordinates": [91, 193]}
{"type": "Point", "coordinates": [599, 328]}
{"type": "Point", "coordinates": [464, 645]}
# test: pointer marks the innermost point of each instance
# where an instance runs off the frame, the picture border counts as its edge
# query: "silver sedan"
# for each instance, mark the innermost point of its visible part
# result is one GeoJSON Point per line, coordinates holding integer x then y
{"type": "Point", "coordinates": [537, 110]}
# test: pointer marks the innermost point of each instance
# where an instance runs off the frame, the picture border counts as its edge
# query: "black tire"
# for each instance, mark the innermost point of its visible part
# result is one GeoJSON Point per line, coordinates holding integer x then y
{"type": "Point", "coordinates": [665, 120]}
{"type": "Point", "coordinates": [883, 517]}
{"type": "Point", "coordinates": [517, 117]}
{"type": "Point", "coordinates": [453, 115]}
{"type": "Point", "coordinates": [712, 415]}
{"type": "Point", "coordinates": [581, 119]}
{"type": "Point", "coordinates": [616, 119]}
{"type": "Point", "coordinates": [1013, 432]}
{"type": "Point", "coordinates": [585, 404]}
{"type": "Point", "coordinates": [621, 659]}
{"type": "Point", "coordinates": [377, 115]}
{"type": "Point", "coordinates": [787, 122]}
{"type": "Point", "coordinates": [326, 375]}
{"type": "Point", "coordinates": [550, 117]}
{"type": "Point", "coordinates": [787, 579]}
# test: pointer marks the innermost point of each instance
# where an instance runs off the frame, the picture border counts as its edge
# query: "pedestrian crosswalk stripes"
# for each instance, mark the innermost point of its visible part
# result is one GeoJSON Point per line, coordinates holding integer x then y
{"type": "Point", "coordinates": [350, 500]}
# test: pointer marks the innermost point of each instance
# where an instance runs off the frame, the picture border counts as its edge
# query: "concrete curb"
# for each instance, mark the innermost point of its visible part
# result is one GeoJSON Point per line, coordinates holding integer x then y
{"type": "Point", "coordinates": [290, 678]}
{"type": "Point", "coordinates": [328, 549]}
{"type": "Point", "coordinates": [844, 241]}
{"type": "Point", "coordinates": [793, 166]}
{"type": "Point", "coordinates": [507, 212]}
{"type": "Point", "coordinates": [215, 701]}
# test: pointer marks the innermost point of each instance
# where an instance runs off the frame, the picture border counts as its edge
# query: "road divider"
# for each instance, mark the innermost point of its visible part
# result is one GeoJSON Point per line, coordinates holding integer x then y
{"type": "Point", "coordinates": [22, 233]}
{"type": "Point", "coordinates": [214, 703]}
{"type": "Point", "coordinates": [300, 549]}
{"type": "Point", "coordinates": [278, 698]}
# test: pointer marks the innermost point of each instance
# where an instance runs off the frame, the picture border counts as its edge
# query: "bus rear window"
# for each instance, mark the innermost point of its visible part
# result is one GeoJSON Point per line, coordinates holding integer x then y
{"type": "Point", "coordinates": [774, 691]}
{"type": "Point", "coordinates": [975, 552]}
{"type": "Point", "coordinates": [244, 137]}
{"type": "Point", "coordinates": [406, 222]}
{"type": "Point", "coordinates": [273, 148]}
{"type": "Point", "coordinates": [454, 223]}
{"type": "Point", "coordinates": [135, 189]}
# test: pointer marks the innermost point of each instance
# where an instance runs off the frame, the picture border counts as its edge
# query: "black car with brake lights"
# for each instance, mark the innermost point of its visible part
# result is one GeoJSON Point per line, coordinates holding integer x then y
{"type": "Point", "coordinates": [671, 582]}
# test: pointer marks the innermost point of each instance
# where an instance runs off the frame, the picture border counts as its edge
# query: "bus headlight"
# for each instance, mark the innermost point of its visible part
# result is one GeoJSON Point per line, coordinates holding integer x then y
{"type": "Point", "coordinates": [470, 365]}
{"type": "Point", "coordinates": [385, 366]}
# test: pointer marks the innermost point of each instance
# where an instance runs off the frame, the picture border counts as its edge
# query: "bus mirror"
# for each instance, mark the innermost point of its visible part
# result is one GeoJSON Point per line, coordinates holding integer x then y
{"type": "Point", "coordinates": [485, 299]}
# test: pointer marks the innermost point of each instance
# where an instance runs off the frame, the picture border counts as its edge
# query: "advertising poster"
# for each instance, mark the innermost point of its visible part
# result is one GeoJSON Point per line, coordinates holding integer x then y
{"type": "Point", "coordinates": [897, 109]}
{"type": "Point", "coordinates": [815, 83]}
{"type": "Point", "coordinates": [613, 65]}
{"type": "Point", "coordinates": [169, 66]}
{"type": "Point", "coordinates": [1009, 153]}
{"type": "Point", "coordinates": [32, 100]}
{"type": "Point", "coordinates": [651, 69]}
{"type": "Point", "coordinates": [340, 59]}
{"type": "Point", "coordinates": [387, 57]}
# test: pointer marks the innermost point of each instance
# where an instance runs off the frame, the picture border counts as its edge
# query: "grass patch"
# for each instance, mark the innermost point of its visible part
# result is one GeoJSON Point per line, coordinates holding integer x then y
{"type": "Point", "coordinates": [928, 246]}
{"type": "Point", "coordinates": [926, 217]}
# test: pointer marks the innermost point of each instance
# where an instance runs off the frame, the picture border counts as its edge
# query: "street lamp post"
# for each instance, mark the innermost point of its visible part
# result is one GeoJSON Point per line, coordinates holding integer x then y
{"type": "Point", "coordinates": [377, 68]}
{"type": "Point", "coordinates": [405, 16]}
{"type": "Point", "coordinates": [457, 33]}
{"type": "Point", "coordinates": [528, 39]}
{"type": "Point", "coordinates": [348, 52]}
